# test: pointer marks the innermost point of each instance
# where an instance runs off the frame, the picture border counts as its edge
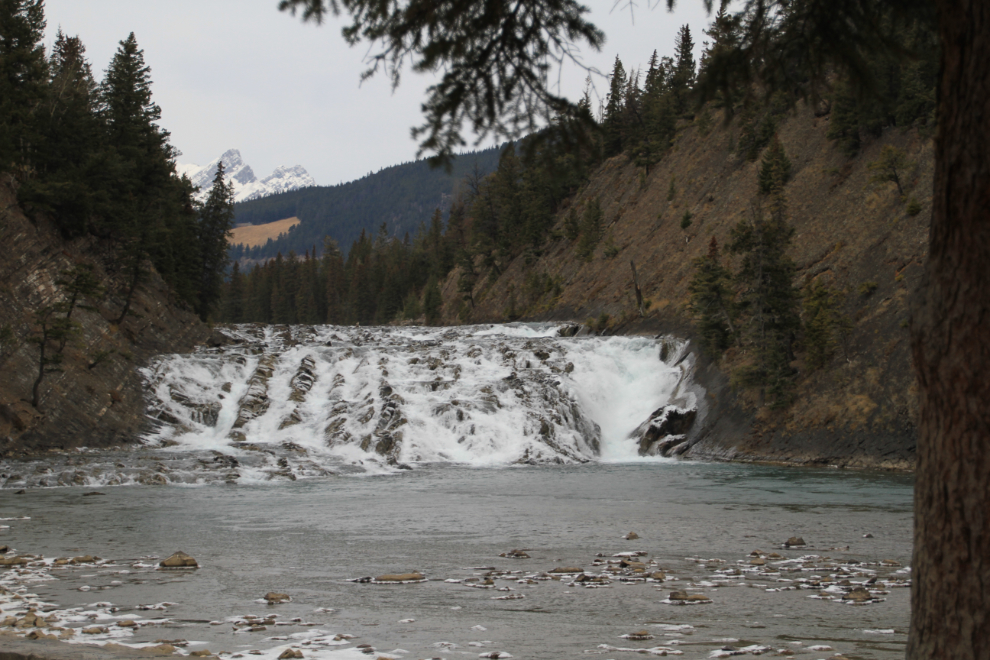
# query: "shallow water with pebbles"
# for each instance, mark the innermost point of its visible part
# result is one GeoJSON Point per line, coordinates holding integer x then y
{"type": "Point", "coordinates": [570, 584]}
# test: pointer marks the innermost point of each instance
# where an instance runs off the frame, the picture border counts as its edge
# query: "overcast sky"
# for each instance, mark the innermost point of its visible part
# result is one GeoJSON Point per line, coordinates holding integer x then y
{"type": "Point", "coordinates": [240, 74]}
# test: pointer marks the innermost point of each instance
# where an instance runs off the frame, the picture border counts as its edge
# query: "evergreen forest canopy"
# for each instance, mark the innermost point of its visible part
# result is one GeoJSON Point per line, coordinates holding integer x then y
{"type": "Point", "coordinates": [92, 158]}
{"type": "Point", "coordinates": [402, 196]}
{"type": "Point", "coordinates": [511, 212]}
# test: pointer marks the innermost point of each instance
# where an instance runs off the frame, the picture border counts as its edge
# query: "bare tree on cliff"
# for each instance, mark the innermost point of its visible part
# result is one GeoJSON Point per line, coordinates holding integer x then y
{"type": "Point", "coordinates": [496, 56]}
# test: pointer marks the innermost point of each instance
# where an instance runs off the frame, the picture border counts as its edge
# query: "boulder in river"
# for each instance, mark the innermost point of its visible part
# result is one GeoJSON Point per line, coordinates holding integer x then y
{"type": "Point", "coordinates": [13, 561]}
{"type": "Point", "coordinates": [639, 635]}
{"type": "Point", "coordinates": [179, 560]}
{"type": "Point", "coordinates": [664, 433]}
{"type": "Point", "coordinates": [794, 541]}
{"type": "Point", "coordinates": [400, 578]}
{"type": "Point", "coordinates": [274, 597]}
{"type": "Point", "coordinates": [631, 536]}
{"type": "Point", "coordinates": [290, 653]}
{"type": "Point", "coordinates": [858, 595]}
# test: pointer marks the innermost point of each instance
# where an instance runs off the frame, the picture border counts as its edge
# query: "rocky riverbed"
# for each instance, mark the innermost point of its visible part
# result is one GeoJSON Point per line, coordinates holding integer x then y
{"type": "Point", "coordinates": [659, 559]}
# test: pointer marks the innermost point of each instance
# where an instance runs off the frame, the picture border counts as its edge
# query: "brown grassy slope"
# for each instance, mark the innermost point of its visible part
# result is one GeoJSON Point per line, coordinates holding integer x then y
{"type": "Point", "coordinates": [254, 235]}
{"type": "Point", "coordinates": [860, 410]}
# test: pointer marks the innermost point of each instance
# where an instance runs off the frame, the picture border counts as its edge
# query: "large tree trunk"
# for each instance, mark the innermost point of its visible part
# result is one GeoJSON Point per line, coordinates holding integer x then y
{"type": "Point", "coordinates": [950, 616]}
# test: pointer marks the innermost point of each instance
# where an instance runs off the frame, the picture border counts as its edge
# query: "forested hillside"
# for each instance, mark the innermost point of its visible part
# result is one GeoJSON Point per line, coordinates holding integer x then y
{"type": "Point", "coordinates": [402, 197]}
{"type": "Point", "coordinates": [782, 236]}
{"type": "Point", "coordinates": [104, 255]}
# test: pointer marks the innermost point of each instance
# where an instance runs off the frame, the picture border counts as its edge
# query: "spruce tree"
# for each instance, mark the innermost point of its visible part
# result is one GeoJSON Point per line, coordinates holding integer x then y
{"type": "Point", "coordinates": [768, 299]}
{"type": "Point", "coordinates": [216, 219]}
{"type": "Point", "coordinates": [824, 324]}
{"type": "Point", "coordinates": [682, 80]}
{"type": "Point", "coordinates": [233, 296]}
{"type": "Point", "coordinates": [712, 301]}
{"type": "Point", "coordinates": [774, 164]}
{"type": "Point", "coordinates": [591, 230]}
{"type": "Point", "coordinates": [891, 167]}
{"type": "Point", "coordinates": [432, 302]}
{"type": "Point", "coordinates": [149, 211]}
{"type": "Point", "coordinates": [23, 80]}
{"type": "Point", "coordinates": [613, 117]}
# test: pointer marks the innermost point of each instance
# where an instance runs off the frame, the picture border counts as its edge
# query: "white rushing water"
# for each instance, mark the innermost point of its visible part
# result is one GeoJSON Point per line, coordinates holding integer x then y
{"type": "Point", "coordinates": [303, 400]}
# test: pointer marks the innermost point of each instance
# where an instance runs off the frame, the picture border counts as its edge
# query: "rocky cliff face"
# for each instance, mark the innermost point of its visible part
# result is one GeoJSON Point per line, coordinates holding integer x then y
{"type": "Point", "coordinates": [97, 397]}
{"type": "Point", "coordinates": [859, 410]}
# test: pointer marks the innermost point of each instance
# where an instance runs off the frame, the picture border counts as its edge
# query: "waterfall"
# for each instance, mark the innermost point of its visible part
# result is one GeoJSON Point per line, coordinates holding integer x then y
{"type": "Point", "coordinates": [307, 399]}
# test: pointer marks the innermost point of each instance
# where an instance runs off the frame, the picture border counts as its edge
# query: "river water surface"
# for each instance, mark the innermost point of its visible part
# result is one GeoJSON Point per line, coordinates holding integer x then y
{"type": "Point", "coordinates": [281, 467]}
{"type": "Point", "coordinates": [309, 538]}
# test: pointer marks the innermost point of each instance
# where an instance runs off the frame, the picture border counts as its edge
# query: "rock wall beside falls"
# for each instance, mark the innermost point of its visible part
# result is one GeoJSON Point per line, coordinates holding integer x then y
{"type": "Point", "coordinates": [859, 237]}
{"type": "Point", "coordinates": [96, 399]}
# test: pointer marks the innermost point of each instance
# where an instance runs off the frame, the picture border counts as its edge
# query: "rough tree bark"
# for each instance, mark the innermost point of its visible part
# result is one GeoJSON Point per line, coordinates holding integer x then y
{"type": "Point", "coordinates": [950, 613]}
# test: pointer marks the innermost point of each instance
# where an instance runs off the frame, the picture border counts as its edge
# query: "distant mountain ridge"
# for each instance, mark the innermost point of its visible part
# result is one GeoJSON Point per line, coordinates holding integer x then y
{"type": "Point", "coordinates": [400, 197]}
{"type": "Point", "coordinates": [247, 186]}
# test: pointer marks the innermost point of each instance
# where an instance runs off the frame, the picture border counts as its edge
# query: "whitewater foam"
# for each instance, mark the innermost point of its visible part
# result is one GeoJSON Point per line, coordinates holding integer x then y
{"type": "Point", "coordinates": [311, 398]}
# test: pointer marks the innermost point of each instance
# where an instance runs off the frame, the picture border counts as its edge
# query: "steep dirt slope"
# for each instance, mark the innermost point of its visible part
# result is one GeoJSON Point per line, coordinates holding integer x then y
{"type": "Point", "coordinates": [83, 404]}
{"type": "Point", "coordinates": [860, 409]}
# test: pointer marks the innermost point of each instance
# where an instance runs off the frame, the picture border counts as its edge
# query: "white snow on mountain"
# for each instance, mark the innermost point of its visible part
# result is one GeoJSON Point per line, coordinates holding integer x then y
{"type": "Point", "coordinates": [247, 186]}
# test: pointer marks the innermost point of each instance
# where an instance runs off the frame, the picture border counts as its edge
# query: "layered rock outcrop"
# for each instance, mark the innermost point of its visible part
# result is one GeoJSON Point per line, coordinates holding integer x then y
{"type": "Point", "coordinates": [96, 398]}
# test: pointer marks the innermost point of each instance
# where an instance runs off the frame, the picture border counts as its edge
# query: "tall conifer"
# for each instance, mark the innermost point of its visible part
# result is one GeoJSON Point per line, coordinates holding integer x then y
{"type": "Point", "coordinates": [23, 79]}
{"type": "Point", "coordinates": [216, 219]}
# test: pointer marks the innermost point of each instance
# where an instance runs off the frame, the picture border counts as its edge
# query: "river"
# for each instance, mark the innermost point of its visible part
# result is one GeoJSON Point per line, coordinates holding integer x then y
{"type": "Point", "coordinates": [288, 510]}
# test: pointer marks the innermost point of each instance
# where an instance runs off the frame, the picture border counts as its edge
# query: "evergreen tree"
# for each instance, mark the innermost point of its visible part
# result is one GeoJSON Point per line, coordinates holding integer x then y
{"type": "Point", "coordinates": [70, 143]}
{"type": "Point", "coordinates": [775, 165]}
{"type": "Point", "coordinates": [23, 80]}
{"type": "Point", "coordinates": [891, 167]}
{"type": "Point", "coordinates": [715, 79]}
{"type": "Point", "coordinates": [54, 327]}
{"type": "Point", "coordinates": [216, 219]}
{"type": "Point", "coordinates": [591, 230]}
{"type": "Point", "coordinates": [432, 302]}
{"type": "Point", "coordinates": [768, 299]}
{"type": "Point", "coordinates": [571, 227]}
{"type": "Point", "coordinates": [712, 301]}
{"type": "Point", "coordinates": [682, 80]}
{"type": "Point", "coordinates": [613, 117]}
{"type": "Point", "coordinates": [824, 324]}
{"type": "Point", "coordinates": [148, 209]}
{"type": "Point", "coordinates": [233, 296]}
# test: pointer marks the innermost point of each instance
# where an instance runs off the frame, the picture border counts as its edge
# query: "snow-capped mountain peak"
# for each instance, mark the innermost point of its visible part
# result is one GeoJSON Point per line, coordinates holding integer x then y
{"type": "Point", "coordinates": [247, 186]}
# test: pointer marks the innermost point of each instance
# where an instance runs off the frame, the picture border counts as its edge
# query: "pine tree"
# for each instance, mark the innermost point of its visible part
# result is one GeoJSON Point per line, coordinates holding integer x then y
{"type": "Point", "coordinates": [775, 166]}
{"type": "Point", "coordinates": [54, 327]}
{"type": "Point", "coordinates": [591, 230]}
{"type": "Point", "coordinates": [233, 297]}
{"type": "Point", "coordinates": [891, 167]}
{"type": "Point", "coordinates": [824, 324]}
{"type": "Point", "coordinates": [613, 117]}
{"type": "Point", "coordinates": [70, 146]}
{"type": "Point", "coordinates": [571, 227]}
{"type": "Point", "coordinates": [682, 80]}
{"type": "Point", "coordinates": [712, 301]}
{"type": "Point", "coordinates": [768, 299]}
{"type": "Point", "coordinates": [715, 79]}
{"type": "Point", "coordinates": [432, 302]}
{"type": "Point", "coordinates": [149, 211]}
{"type": "Point", "coordinates": [216, 219]}
{"type": "Point", "coordinates": [23, 80]}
